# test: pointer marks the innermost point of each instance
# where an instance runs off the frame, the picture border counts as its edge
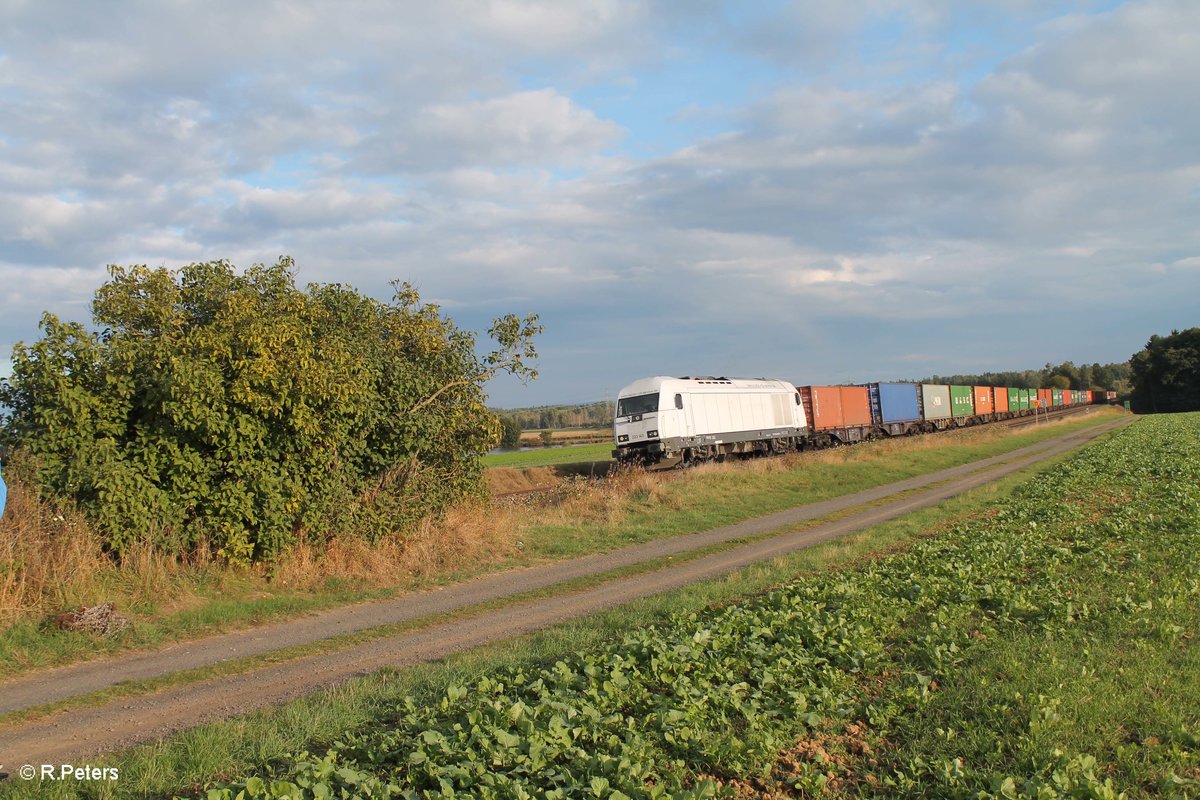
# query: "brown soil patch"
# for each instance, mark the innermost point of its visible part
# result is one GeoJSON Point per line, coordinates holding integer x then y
{"type": "Point", "coordinates": [839, 757]}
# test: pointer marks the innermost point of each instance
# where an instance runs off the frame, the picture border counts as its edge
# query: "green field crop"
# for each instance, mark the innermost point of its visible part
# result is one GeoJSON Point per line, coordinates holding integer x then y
{"type": "Point", "coordinates": [550, 456]}
{"type": "Point", "coordinates": [877, 680]}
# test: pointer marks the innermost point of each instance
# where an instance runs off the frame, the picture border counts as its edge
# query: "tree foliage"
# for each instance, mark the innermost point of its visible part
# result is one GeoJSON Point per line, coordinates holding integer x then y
{"type": "Point", "coordinates": [587, 415]}
{"type": "Point", "coordinates": [1166, 373]}
{"type": "Point", "coordinates": [510, 433]}
{"type": "Point", "coordinates": [1100, 377]}
{"type": "Point", "coordinates": [238, 410]}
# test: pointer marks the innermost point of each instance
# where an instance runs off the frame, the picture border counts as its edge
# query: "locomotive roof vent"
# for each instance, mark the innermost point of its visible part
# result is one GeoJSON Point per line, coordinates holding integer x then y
{"type": "Point", "coordinates": [705, 379]}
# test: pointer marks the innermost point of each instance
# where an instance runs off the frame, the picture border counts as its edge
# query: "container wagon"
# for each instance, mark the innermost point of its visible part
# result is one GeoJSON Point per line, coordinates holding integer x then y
{"type": "Point", "coordinates": [962, 405]}
{"type": "Point", "coordinates": [837, 414]}
{"type": "Point", "coordinates": [1000, 401]}
{"type": "Point", "coordinates": [985, 403]}
{"type": "Point", "coordinates": [935, 406]}
{"type": "Point", "coordinates": [895, 408]}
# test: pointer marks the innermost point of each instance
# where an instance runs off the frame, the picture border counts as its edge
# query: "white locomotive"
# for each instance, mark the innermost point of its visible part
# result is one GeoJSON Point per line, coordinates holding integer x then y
{"type": "Point", "coordinates": [700, 419]}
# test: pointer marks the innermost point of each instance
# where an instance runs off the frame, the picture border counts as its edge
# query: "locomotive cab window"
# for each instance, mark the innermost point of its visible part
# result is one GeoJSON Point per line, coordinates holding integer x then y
{"type": "Point", "coordinates": [638, 404]}
{"type": "Point", "coordinates": [679, 401]}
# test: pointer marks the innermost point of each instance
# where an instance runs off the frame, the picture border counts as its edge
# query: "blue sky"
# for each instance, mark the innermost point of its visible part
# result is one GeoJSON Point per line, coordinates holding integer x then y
{"type": "Point", "coordinates": [819, 192]}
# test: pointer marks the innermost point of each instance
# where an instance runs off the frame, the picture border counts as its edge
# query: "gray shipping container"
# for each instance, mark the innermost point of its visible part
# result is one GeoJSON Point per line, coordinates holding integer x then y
{"type": "Point", "coordinates": [935, 401]}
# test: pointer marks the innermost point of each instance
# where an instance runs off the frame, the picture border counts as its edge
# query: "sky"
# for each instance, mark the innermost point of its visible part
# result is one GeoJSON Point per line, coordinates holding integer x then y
{"type": "Point", "coordinates": [812, 191]}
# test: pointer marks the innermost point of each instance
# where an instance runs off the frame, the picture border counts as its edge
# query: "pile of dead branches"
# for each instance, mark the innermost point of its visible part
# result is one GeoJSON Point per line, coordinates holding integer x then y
{"type": "Point", "coordinates": [102, 619]}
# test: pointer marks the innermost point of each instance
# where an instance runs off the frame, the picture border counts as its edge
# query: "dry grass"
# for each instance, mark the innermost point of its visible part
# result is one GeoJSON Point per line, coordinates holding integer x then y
{"type": "Point", "coordinates": [608, 501]}
{"type": "Point", "coordinates": [50, 560]}
{"type": "Point", "coordinates": [46, 558]}
{"type": "Point", "coordinates": [504, 480]}
{"type": "Point", "coordinates": [464, 537]}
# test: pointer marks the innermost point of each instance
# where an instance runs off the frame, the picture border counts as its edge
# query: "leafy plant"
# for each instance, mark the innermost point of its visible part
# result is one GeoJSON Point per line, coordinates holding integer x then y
{"type": "Point", "coordinates": [237, 409]}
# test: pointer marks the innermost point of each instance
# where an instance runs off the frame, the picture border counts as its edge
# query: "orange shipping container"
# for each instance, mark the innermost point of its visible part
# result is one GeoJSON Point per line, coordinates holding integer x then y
{"type": "Point", "coordinates": [1000, 394]}
{"type": "Point", "coordinates": [1045, 398]}
{"type": "Point", "coordinates": [984, 404]}
{"type": "Point", "coordinates": [856, 406]}
{"type": "Point", "coordinates": [826, 406]}
{"type": "Point", "coordinates": [1068, 397]}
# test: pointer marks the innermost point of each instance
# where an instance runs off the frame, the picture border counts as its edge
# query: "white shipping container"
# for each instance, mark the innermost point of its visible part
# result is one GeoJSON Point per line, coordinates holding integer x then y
{"type": "Point", "coordinates": [936, 400]}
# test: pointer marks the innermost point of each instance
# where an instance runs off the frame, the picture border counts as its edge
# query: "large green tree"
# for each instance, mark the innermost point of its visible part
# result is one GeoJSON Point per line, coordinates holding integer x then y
{"type": "Point", "coordinates": [1166, 373]}
{"type": "Point", "coordinates": [235, 409]}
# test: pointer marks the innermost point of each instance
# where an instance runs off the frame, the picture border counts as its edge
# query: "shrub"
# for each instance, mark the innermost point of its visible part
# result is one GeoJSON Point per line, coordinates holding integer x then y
{"type": "Point", "coordinates": [239, 409]}
{"type": "Point", "coordinates": [510, 433]}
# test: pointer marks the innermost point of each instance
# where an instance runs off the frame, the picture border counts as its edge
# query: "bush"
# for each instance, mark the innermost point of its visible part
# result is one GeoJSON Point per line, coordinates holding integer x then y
{"type": "Point", "coordinates": [241, 410]}
{"type": "Point", "coordinates": [510, 433]}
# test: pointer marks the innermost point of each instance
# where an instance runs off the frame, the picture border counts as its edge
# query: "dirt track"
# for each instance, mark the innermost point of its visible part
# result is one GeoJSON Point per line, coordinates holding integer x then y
{"type": "Point", "coordinates": [125, 721]}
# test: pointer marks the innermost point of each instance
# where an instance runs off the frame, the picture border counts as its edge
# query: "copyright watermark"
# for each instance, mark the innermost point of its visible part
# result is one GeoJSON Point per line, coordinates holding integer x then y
{"type": "Point", "coordinates": [67, 772]}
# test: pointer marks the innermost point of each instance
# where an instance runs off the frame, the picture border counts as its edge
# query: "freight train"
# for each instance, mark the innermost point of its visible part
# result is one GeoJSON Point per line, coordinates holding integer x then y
{"type": "Point", "coordinates": [696, 419]}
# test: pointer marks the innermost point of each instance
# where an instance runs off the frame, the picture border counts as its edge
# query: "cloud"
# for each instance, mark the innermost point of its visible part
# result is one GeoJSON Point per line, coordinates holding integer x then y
{"type": "Point", "coordinates": [526, 129]}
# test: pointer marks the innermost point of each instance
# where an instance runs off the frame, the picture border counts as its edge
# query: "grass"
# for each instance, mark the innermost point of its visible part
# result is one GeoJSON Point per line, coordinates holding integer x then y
{"type": "Point", "coordinates": [1126, 691]}
{"type": "Point", "coordinates": [172, 601]}
{"type": "Point", "coordinates": [551, 456]}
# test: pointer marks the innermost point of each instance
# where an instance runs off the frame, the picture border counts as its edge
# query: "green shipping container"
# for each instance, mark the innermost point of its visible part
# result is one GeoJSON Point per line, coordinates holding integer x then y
{"type": "Point", "coordinates": [1056, 397]}
{"type": "Point", "coordinates": [961, 404]}
{"type": "Point", "coordinates": [1014, 400]}
{"type": "Point", "coordinates": [1025, 400]}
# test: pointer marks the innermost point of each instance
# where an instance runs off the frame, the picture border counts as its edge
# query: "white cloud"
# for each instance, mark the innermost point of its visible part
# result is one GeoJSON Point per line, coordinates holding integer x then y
{"type": "Point", "coordinates": [540, 127]}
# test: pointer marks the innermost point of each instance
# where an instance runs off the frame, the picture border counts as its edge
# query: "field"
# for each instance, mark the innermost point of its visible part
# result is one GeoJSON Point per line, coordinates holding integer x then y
{"type": "Point", "coordinates": [533, 438]}
{"type": "Point", "coordinates": [551, 456]}
{"type": "Point", "coordinates": [1043, 647]}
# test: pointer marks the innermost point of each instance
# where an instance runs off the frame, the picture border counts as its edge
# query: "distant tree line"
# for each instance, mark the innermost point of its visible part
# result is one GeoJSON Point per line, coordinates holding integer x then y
{"type": "Point", "coordinates": [1113, 377]}
{"type": "Point", "coordinates": [1166, 373]}
{"type": "Point", "coordinates": [588, 415]}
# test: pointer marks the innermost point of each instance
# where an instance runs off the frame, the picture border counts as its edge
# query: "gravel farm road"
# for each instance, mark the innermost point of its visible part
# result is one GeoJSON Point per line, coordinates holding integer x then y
{"type": "Point", "coordinates": [71, 734]}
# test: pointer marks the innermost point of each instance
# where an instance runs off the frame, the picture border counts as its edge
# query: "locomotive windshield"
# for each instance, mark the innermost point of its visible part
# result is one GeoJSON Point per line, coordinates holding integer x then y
{"type": "Point", "coordinates": [638, 404]}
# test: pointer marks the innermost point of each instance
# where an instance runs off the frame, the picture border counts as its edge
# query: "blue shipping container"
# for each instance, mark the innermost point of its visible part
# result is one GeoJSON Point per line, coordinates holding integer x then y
{"type": "Point", "coordinates": [894, 402]}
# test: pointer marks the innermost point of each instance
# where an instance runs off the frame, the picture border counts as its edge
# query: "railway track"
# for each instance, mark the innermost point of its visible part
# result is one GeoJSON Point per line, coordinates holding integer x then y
{"type": "Point", "coordinates": [539, 494]}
